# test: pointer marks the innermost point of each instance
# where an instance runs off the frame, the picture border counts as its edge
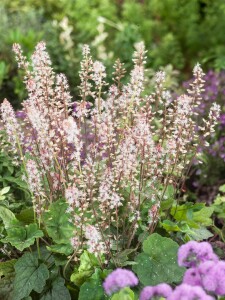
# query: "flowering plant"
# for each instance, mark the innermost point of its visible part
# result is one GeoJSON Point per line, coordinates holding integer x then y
{"type": "Point", "coordinates": [97, 169]}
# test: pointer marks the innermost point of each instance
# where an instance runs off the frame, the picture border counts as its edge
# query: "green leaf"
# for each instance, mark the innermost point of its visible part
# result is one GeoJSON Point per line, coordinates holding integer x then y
{"type": "Point", "coordinates": [80, 277]}
{"type": "Point", "coordinates": [121, 258]}
{"type": "Point", "coordinates": [166, 204]}
{"type": "Point", "coordinates": [200, 234]}
{"type": "Point", "coordinates": [57, 290]}
{"type": "Point", "coordinates": [203, 216]}
{"type": "Point", "coordinates": [185, 212]}
{"type": "Point", "coordinates": [222, 188]}
{"type": "Point", "coordinates": [66, 249]}
{"type": "Point", "coordinates": [7, 216]}
{"type": "Point", "coordinates": [92, 290]}
{"type": "Point", "coordinates": [57, 223]}
{"type": "Point", "coordinates": [22, 236]}
{"type": "Point", "coordinates": [124, 294]}
{"type": "Point", "coordinates": [5, 190]}
{"type": "Point", "coordinates": [26, 216]}
{"type": "Point", "coordinates": [170, 226]}
{"type": "Point", "coordinates": [22, 184]}
{"type": "Point", "coordinates": [7, 275]}
{"type": "Point", "coordinates": [88, 262]}
{"type": "Point", "coordinates": [158, 262]}
{"type": "Point", "coordinates": [29, 276]}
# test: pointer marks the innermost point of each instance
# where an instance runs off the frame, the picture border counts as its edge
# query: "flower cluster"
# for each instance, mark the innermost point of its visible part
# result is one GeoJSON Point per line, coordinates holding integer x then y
{"type": "Point", "coordinates": [204, 277]}
{"type": "Point", "coordinates": [118, 279]}
{"type": "Point", "coordinates": [205, 269]}
{"type": "Point", "coordinates": [108, 154]}
{"type": "Point", "coordinates": [213, 91]}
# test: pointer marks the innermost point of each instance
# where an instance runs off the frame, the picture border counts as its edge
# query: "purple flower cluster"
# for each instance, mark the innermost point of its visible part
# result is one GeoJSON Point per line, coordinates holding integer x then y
{"type": "Point", "coordinates": [209, 275]}
{"type": "Point", "coordinates": [187, 292]}
{"type": "Point", "coordinates": [205, 274]}
{"type": "Point", "coordinates": [193, 253]}
{"type": "Point", "coordinates": [118, 279]}
{"type": "Point", "coordinates": [205, 269]}
{"type": "Point", "coordinates": [158, 291]}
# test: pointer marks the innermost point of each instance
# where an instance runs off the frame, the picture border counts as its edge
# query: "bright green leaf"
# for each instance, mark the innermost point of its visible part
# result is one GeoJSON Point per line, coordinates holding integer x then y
{"type": "Point", "coordinates": [203, 216]}
{"type": "Point", "coordinates": [222, 188]}
{"type": "Point", "coordinates": [170, 226]}
{"type": "Point", "coordinates": [124, 294]}
{"type": "Point", "coordinates": [87, 261]}
{"type": "Point", "coordinates": [5, 190]}
{"type": "Point", "coordinates": [7, 216]}
{"type": "Point", "coordinates": [78, 278]}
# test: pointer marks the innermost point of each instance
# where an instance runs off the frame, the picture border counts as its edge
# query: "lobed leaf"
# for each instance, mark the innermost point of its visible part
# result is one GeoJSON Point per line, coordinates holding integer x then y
{"type": "Point", "coordinates": [158, 261]}
{"type": "Point", "coordinates": [29, 276]}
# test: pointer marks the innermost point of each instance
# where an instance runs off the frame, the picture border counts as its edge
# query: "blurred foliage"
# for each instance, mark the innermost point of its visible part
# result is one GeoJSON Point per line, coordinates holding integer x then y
{"type": "Point", "coordinates": [176, 32]}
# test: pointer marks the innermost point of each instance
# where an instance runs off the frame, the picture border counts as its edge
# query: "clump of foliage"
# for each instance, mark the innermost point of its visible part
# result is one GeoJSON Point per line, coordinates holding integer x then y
{"type": "Point", "coordinates": [101, 173]}
{"type": "Point", "coordinates": [113, 28]}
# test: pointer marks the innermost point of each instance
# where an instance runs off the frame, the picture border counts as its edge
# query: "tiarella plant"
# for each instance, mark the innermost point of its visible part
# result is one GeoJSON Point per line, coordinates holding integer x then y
{"type": "Point", "coordinates": [99, 169]}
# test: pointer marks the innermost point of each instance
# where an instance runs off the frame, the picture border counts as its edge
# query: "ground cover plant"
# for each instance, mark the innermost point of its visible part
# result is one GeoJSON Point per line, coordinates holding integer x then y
{"type": "Point", "coordinates": [104, 173]}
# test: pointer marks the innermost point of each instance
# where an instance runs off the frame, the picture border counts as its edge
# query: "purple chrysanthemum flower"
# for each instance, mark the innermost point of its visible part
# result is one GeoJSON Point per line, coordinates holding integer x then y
{"type": "Point", "coordinates": [118, 279]}
{"type": "Point", "coordinates": [192, 277]}
{"type": "Point", "coordinates": [193, 253]}
{"type": "Point", "coordinates": [213, 276]}
{"type": "Point", "coordinates": [220, 275]}
{"type": "Point", "coordinates": [188, 292]}
{"type": "Point", "coordinates": [158, 291]}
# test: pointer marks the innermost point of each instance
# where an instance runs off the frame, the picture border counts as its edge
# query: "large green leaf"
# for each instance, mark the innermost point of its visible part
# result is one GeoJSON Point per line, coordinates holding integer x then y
{"type": "Point", "coordinates": [92, 290]}
{"type": "Point", "coordinates": [7, 275]}
{"type": "Point", "coordinates": [57, 223]}
{"type": "Point", "coordinates": [22, 236]}
{"type": "Point", "coordinates": [56, 290]}
{"type": "Point", "coordinates": [158, 262]}
{"type": "Point", "coordinates": [29, 276]}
